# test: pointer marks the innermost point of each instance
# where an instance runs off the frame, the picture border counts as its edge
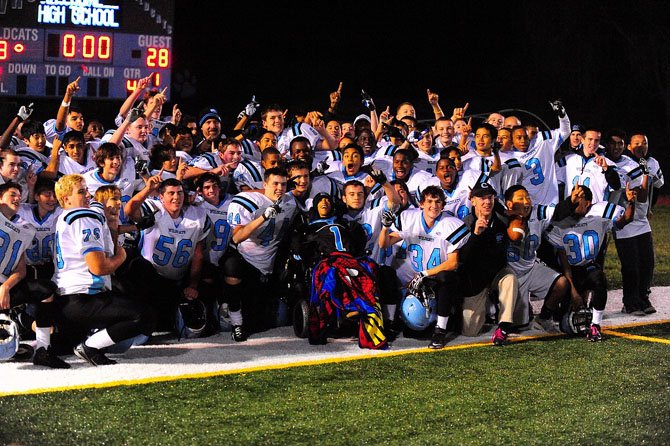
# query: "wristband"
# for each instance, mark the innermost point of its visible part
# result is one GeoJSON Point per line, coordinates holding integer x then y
{"type": "Point", "coordinates": [64, 104]}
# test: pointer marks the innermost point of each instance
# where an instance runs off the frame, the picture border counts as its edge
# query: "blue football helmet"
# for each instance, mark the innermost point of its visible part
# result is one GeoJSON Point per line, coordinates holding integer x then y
{"type": "Point", "coordinates": [419, 310]}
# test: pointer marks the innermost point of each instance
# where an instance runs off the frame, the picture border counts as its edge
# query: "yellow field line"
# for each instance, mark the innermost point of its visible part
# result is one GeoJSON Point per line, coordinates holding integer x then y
{"type": "Point", "coordinates": [201, 375]}
{"type": "Point", "coordinates": [636, 337]}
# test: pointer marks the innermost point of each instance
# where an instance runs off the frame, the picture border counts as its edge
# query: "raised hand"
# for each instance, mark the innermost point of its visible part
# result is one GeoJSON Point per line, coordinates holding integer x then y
{"type": "Point", "coordinates": [459, 112]}
{"type": "Point", "coordinates": [557, 107]}
{"type": "Point", "coordinates": [336, 96]}
{"type": "Point", "coordinates": [25, 111]}
{"type": "Point", "coordinates": [433, 98]}
{"type": "Point", "coordinates": [367, 101]}
{"type": "Point", "coordinates": [72, 88]}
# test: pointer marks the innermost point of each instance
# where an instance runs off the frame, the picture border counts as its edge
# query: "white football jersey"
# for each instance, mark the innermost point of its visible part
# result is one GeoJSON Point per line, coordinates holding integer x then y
{"type": "Point", "coordinates": [125, 182]}
{"type": "Point", "coordinates": [582, 240]}
{"type": "Point", "coordinates": [220, 235]}
{"type": "Point", "coordinates": [248, 173]}
{"type": "Point", "coordinates": [427, 161]}
{"type": "Point", "coordinates": [640, 224]}
{"type": "Point", "coordinates": [578, 170]}
{"type": "Point", "coordinates": [261, 247]}
{"type": "Point", "coordinates": [416, 181]}
{"type": "Point", "coordinates": [32, 159]}
{"type": "Point", "coordinates": [78, 232]}
{"type": "Point", "coordinates": [297, 129]}
{"type": "Point", "coordinates": [320, 184]}
{"type": "Point", "coordinates": [41, 248]}
{"type": "Point", "coordinates": [428, 247]}
{"type": "Point", "coordinates": [521, 255]}
{"type": "Point", "coordinates": [250, 150]}
{"type": "Point", "coordinates": [457, 202]}
{"type": "Point", "coordinates": [16, 236]}
{"type": "Point", "coordinates": [539, 173]}
{"type": "Point", "coordinates": [170, 243]}
{"type": "Point", "coordinates": [207, 161]}
{"type": "Point", "coordinates": [67, 165]}
{"type": "Point", "coordinates": [370, 219]}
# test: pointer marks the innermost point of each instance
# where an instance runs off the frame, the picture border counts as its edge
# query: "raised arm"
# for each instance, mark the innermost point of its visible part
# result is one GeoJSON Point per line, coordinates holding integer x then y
{"type": "Point", "coordinates": [61, 117]}
{"type": "Point", "coordinates": [434, 101]}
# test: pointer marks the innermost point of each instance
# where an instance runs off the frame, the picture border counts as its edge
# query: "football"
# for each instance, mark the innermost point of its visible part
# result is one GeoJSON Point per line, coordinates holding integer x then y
{"type": "Point", "coordinates": [516, 229]}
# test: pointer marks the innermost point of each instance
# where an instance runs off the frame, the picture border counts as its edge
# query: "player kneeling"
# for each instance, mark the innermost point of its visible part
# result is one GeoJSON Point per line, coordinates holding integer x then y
{"type": "Point", "coordinates": [87, 252]}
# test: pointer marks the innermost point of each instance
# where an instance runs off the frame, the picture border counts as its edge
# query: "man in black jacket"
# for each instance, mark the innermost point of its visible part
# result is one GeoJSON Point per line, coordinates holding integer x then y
{"type": "Point", "coordinates": [483, 266]}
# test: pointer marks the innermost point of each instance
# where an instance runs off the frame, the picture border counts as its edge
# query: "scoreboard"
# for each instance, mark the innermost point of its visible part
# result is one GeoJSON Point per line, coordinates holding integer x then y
{"type": "Point", "coordinates": [46, 44]}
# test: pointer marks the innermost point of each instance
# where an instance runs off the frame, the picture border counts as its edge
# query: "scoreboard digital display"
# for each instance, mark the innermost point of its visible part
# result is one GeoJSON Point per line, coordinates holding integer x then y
{"type": "Point", "coordinates": [46, 44]}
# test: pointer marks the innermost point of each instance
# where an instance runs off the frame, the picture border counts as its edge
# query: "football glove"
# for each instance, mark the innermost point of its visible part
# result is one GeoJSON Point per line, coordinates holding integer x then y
{"type": "Point", "coordinates": [321, 168]}
{"type": "Point", "coordinates": [250, 108]}
{"type": "Point", "coordinates": [415, 283]}
{"type": "Point", "coordinates": [378, 176]}
{"type": "Point", "coordinates": [25, 111]}
{"type": "Point", "coordinates": [644, 166]}
{"type": "Point", "coordinates": [367, 101]}
{"type": "Point", "coordinates": [557, 107]}
{"type": "Point", "coordinates": [272, 211]}
{"type": "Point", "coordinates": [388, 218]}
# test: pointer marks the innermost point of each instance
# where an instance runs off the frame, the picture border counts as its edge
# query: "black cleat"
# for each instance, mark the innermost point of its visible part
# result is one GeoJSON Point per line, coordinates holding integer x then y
{"type": "Point", "coordinates": [439, 339]}
{"type": "Point", "coordinates": [92, 355]}
{"type": "Point", "coordinates": [238, 334]}
{"type": "Point", "coordinates": [47, 358]}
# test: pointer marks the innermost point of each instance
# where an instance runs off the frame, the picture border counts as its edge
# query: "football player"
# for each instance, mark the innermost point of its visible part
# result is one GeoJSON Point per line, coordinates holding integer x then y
{"type": "Point", "coordinates": [86, 254]}
{"type": "Point", "coordinates": [172, 246]}
{"type": "Point", "coordinates": [535, 278]}
{"type": "Point", "coordinates": [579, 238]}
{"type": "Point", "coordinates": [259, 222]}
{"type": "Point", "coordinates": [433, 241]}
{"type": "Point", "coordinates": [15, 288]}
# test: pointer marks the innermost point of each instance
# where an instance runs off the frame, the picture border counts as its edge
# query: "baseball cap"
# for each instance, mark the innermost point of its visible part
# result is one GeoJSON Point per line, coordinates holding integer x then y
{"type": "Point", "coordinates": [482, 190]}
{"type": "Point", "coordinates": [212, 113]}
{"type": "Point", "coordinates": [577, 128]}
{"type": "Point", "coordinates": [360, 117]}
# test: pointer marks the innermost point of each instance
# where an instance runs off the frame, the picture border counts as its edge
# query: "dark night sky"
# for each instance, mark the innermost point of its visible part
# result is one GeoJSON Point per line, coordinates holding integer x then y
{"type": "Point", "coordinates": [600, 57]}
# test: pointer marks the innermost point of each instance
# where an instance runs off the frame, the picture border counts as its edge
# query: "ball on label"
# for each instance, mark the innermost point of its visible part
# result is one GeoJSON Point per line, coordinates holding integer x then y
{"type": "Point", "coordinates": [516, 229]}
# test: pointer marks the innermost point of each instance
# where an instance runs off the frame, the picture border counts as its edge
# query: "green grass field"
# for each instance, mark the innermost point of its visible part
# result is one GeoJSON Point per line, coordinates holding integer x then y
{"type": "Point", "coordinates": [551, 391]}
{"type": "Point", "coordinates": [539, 392]}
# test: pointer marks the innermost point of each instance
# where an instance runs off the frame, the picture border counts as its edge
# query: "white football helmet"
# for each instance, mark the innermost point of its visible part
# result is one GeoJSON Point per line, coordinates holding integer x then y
{"type": "Point", "coordinates": [9, 338]}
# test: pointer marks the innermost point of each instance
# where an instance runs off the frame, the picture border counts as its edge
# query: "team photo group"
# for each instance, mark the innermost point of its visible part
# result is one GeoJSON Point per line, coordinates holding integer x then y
{"type": "Point", "coordinates": [170, 222]}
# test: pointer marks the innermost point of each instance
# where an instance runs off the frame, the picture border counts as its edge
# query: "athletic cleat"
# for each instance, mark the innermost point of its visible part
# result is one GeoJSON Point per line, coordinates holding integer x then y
{"type": "Point", "coordinates": [593, 334]}
{"type": "Point", "coordinates": [238, 334]}
{"type": "Point", "coordinates": [439, 339]}
{"type": "Point", "coordinates": [92, 355]}
{"type": "Point", "coordinates": [47, 358]}
{"type": "Point", "coordinates": [499, 337]}
{"type": "Point", "coordinates": [545, 324]}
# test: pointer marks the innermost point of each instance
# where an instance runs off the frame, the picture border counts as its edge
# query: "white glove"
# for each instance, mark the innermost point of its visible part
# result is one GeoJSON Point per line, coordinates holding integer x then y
{"type": "Point", "coordinates": [271, 212]}
{"type": "Point", "coordinates": [25, 111]}
{"type": "Point", "coordinates": [321, 168]}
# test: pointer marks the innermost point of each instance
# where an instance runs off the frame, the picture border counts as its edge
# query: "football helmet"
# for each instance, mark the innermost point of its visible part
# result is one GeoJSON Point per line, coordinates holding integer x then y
{"type": "Point", "coordinates": [9, 338]}
{"type": "Point", "coordinates": [576, 322]}
{"type": "Point", "coordinates": [419, 310]}
{"type": "Point", "coordinates": [191, 318]}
